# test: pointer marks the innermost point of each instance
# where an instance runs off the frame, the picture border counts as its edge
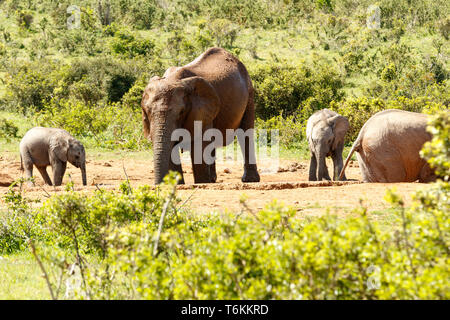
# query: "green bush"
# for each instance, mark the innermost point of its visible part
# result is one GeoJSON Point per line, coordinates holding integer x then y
{"type": "Point", "coordinates": [126, 45]}
{"type": "Point", "coordinates": [437, 151]}
{"type": "Point", "coordinates": [264, 255]}
{"type": "Point", "coordinates": [288, 88]}
{"type": "Point", "coordinates": [77, 118]}
{"type": "Point", "coordinates": [20, 222]}
{"type": "Point", "coordinates": [290, 129]}
{"type": "Point", "coordinates": [142, 244]}
{"type": "Point", "coordinates": [110, 126]}
{"type": "Point", "coordinates": [29, 85]}
{"type": "Point", "coordinates": [24, 18]}
{"type": "Point", "coordinates": [34, 85]}
{"type": "Point", "coordinates": [8, 130]}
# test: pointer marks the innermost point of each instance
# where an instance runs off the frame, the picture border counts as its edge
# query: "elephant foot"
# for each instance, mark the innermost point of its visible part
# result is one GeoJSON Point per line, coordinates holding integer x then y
{"type": "Point", "coordinates": [251, 174]}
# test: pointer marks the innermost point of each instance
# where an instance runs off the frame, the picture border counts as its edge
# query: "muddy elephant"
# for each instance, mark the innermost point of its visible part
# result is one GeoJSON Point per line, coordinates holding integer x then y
{"type": "Point", "coordinates": [388, 147]}
{"type": "Point", "coordinates": [51, 146]}
{"type": "Point", "coordinates": [212, 92]}
{"type": "Point", "coordinates": [325, 131]}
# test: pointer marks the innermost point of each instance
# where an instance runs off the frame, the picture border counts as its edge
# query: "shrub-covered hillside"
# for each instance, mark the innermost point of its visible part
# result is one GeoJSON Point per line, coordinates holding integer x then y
{"type": "Point", "coordinates": [65, 67]}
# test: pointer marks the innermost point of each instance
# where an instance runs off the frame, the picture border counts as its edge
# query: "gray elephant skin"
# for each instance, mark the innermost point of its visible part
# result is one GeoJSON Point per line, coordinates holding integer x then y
{"type": "Point", "coordinates": [214, 89]}
{"type": "Point", "coordinates": [325, 131]}
{"type": "Point", "coordinates": [388, 148]}
{"type": "Point", "coordinates": [51, 146]}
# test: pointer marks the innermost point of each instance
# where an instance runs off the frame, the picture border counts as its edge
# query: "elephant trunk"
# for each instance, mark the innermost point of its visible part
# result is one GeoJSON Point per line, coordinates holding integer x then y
{"type": "Point", "coordinates": [83, 173]}
{"type": "Point", "coordinates": [161, 152]}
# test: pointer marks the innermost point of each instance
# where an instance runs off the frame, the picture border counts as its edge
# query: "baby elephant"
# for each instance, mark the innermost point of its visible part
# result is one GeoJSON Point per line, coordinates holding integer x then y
{"type": "Point", "coordinates": [325, 132]}
{"type": "Point", "coordinates": [51, 146]}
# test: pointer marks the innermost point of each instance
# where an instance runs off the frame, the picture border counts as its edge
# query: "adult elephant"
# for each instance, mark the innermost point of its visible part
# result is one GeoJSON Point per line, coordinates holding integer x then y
{"type": "Point", "coordinates": [325, 131]}
{"type": "Point", "coordinates": [216, 91]}
{"type": "Point", "coordinates": [51, 146]}
{"type": "Point", "coordinates": [388, 148]}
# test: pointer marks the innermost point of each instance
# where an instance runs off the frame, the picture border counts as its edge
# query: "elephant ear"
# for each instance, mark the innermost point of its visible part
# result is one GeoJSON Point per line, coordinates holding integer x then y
{"type": "Point", "coordinates": [340, 127]}
{"type": "Point", "coordinates": [145, 97]}
{"type": "Point", "coordinates": [59, 146]}
{"type": "Point", "coordinates": [145, 120]}
{"type": "Point", "coordinates": [145, 124]}
{"type": "Point", "coordinates": [203, 100]}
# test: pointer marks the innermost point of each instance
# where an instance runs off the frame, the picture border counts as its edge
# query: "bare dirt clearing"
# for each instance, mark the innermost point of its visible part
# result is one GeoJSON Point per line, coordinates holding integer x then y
{"type": "Point", "coordinates": [289, 185]}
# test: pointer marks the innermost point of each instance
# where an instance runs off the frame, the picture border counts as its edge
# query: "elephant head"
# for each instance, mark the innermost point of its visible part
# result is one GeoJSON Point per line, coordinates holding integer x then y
{"type": "Point", "coordinates": [66, 148]}
{"type": "Point", "coordinates": [170, 103]}
{"type": "Point", "coordinates": [325, 132]}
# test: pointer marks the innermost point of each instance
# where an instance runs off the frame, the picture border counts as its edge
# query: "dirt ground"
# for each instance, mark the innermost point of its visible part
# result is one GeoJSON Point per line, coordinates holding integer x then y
{"type": "Point", "coordinates": [288, 184]}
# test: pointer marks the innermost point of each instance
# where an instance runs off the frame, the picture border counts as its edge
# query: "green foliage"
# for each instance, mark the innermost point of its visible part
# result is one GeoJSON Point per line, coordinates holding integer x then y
{"type": "Point", "coordinates": [8, 129]}
{"type": "Point", "coordinates": [24, 18]}
{"type": "Point", "coordinates": [141, 244]}
{"type": "Point", "coordinates": [33, 86]}
{"type": "Point", "coordinates": [437, 151]}
{"type": "Point", "coordinates": [29, 85]}
{"type": "Point", "coordinates": [20, 222]}
{"type": "Point", "coordinates": [290, 129]}
{"type": "Point", "coordinates": [111, 126]}
{"type": "Point", "coordinates": [288, 88]}
{"type": "Point", "coordinates": [264, 255]}
{"type": "Point", "coordinates": [126, 45]}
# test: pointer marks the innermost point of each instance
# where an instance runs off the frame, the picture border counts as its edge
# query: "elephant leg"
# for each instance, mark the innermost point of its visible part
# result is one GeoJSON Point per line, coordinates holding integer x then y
{"type": "Point", "coordinates": [337, 167]}
{"type": "Point", "coordinates": [201, 170]}
{"type": "Point", "coordinates": [44, 174]}
{"type": "Point", "coordinates": [212, 168]}
{"type": "Point", "coordinates": [176, 167]}
{"type": "Point", "coordinates": [387, 168]}
{"type": "Point", "coordinates": [427, 174]}
{"type": "Point", "coordinates": [338, 163]}
{"type": "Point", "coordinates": [313, 167]}
{"type": "Point", "coordinates": [247, 143]}
{"type": "Point", "coordinates": [323, 170]}
{"type": "Point", "coordinates": [59, 168]}
{"type": "Point", "coordinates": [27, 164]}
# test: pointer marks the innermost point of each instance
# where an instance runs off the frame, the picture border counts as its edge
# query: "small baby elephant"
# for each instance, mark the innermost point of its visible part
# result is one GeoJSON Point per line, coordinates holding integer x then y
{"type": "Point", "coordinates": [51, 146]}
{"type": "Point", "coordinates": [325, 131]}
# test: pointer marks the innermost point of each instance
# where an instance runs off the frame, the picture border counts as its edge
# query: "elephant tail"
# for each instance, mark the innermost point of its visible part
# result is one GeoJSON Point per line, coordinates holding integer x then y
{"type": "Point", "coordinates": [21, 163]}
{"type": "Point", "coordinates": [355, 147]}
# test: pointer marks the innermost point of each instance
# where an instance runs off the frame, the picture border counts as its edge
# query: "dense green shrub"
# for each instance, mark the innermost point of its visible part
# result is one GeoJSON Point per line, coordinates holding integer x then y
{"type": "Point", "coordinates": [24, 18]}
{"type": "Point", "coordinates": [77, 118]}
{"type": "Point", "coordinates": [20, 222]}
{"type": "Point", "coordinates": [33, 85]}
{"type": "Point", "coordinates": [156, 252]}
{"type": "Point", "coordinates": [288, 88]}
{"type": "Point", "coordinates": [29, 85]}
{"type": "Point", "coordinates": [8, 130]}
{"type": "Point", "coordinates": [290, 129]}
{"type": "Point", "coordinates": [127, 45]}
{"type": "Point", "coordinates": [109, 126]}
{"type": "Point", "coordinates": [437, 151]}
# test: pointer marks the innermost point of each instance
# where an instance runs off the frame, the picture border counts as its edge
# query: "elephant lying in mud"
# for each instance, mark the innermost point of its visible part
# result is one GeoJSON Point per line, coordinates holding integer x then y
{"type": "Point", "coordinates": [325, 131]}
{"type": "Point", "coordinates": [51, 146]}
{"type": "Point", "coordinates": [214, 91]}
{"type": "Point", "coordinates": [388, 147]}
